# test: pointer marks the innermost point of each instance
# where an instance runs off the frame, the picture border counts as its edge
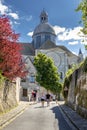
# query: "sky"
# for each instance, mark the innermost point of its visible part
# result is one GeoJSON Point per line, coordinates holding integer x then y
{"type": "Point", "coordinates": [24, 17]}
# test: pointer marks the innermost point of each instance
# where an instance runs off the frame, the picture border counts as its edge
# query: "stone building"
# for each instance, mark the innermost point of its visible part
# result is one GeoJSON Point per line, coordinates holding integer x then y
{"type": "Point", "coordinates": [44, 41]}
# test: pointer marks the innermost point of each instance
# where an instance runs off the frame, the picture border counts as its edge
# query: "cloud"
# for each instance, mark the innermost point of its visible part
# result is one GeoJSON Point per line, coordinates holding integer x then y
{"type": "Point", "coordinates": [14, 15]}
{"type": "Point", "coordinates": [59, 29]}
{"type": "Point", "coordinates": [30, 34]}
{"type": "Point", "coordinates": [3, 8]}
{"type": "Point", "coordinates": [73, 42]}
{"type": "Point", "coordinates": [70, 34]}
{"type": "Point", "coordinates": [27, 18]}
{"type": "Point", "coordinates": [16, 22]}
{"type": "Point", "coordinates": [6, 10]}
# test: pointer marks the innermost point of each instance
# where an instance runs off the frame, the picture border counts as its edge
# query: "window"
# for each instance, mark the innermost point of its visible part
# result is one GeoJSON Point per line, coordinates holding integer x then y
{"type": "Point", "coordinates": [47, 37]}
{"type": "Point", "coordinates": [24, 92]}
{"type": "Point", "coordinates": [23, 80]}
{"type": "Point", "coordinates": [38, 41]}
{"type": "Point", "coordinates": [32, 79]}
{"type": "Point", "coordinates": [43, 19]}
{"type": "Point", "coordinates": [61, 75]}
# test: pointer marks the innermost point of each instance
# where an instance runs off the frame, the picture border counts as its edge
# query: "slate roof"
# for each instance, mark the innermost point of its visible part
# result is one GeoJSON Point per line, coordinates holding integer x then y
{"type": "Point", "coordinates": [47, 45]}
{"type": "Point", "coordinates": [28, 49]}
{"type": "Point", "coordinates": [44, 28]}
{"type": "Point", "coordinates": [51, 45]}
{"type": "Point", "coordinates": [66, 50]}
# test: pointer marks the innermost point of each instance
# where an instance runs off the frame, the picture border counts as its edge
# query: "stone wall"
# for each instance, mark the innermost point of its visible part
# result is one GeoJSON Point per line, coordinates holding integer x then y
{"type": "Point", "coordinates": [77, 93]}
{"type": "Point", "coordinates": [7, 96]}
{"type": "Point", "coordinates": [71, 95]}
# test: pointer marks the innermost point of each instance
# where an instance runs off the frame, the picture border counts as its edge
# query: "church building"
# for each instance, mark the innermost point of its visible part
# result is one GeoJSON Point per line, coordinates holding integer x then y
{"type": "Point", "coordinates": [44, 41]}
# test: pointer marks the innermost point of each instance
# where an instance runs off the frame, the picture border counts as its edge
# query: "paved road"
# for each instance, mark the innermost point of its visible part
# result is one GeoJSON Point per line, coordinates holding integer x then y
{"type": "Point", "coordinates": [37, 118]}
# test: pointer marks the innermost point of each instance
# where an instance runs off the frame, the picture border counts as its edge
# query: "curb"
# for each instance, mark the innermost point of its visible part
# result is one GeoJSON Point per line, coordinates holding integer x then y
{"type": "Point", "coordinates": [69, 117]}
{"type": "Point", "coordinates": [10, 119]}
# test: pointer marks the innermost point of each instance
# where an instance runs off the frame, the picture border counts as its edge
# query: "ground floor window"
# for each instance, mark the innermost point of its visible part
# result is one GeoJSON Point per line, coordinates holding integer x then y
{"type": "Point", "coordinates": [24, 92]}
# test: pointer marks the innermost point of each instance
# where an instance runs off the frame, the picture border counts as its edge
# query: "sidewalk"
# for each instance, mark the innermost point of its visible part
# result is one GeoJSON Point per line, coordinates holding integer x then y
{"type": "Point", "coordinates": [8, 117]}
{"type": "Point", "coordinates": [79, 122]}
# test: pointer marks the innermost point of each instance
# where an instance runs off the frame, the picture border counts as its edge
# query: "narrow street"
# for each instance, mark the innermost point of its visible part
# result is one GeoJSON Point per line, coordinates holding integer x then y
{"type": "Point", "coordinates": [36, 117]}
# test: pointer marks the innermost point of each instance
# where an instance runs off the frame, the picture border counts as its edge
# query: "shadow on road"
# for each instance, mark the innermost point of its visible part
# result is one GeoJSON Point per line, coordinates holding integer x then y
{"type": "Point", "coordinates": [62, 124]}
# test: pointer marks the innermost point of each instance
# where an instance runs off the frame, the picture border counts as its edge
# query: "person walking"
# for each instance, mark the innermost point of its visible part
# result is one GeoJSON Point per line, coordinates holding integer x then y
{"type": "Point", "coordinates": [42, 99]}
{"type": "Point", "coordinates": [34, 95]}
{"type": "Point", "coordinates": [48, 96]}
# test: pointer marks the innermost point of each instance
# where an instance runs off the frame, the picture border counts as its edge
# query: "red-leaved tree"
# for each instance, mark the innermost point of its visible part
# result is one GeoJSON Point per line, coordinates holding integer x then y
{"type": "Point", "coordinates": [11, 64]}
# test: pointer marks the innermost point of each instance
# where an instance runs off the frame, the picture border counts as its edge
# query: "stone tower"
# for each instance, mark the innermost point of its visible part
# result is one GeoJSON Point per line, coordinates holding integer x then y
{"type": "Point", "coordinates": [43, 32]}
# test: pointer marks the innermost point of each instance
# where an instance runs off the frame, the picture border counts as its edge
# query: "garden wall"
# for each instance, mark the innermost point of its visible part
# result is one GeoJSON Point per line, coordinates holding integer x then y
{"type": "Point", "coordinates": [7, 96]}
{"type": "Point", "coordinates": [77, 92]}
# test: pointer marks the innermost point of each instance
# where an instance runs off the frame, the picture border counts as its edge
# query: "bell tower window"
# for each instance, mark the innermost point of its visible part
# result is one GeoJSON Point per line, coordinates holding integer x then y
{"type": "Point", "coordinates": [43, 17]}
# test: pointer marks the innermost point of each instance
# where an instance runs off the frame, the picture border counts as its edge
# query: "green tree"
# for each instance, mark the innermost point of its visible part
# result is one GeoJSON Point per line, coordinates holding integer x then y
{"type": "Point", "coordinates": [47, 73]}
{"type": "Point", "coordinates": [57, 89]}
{"type": "Point", "coordinates": [85, 65]}
{"type": "Point", "coordinates": [83, 8]}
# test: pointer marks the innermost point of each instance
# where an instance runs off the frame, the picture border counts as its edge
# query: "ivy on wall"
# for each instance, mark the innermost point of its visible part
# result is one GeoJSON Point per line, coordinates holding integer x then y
{"type": "Point", "coordinates": [85, 65]}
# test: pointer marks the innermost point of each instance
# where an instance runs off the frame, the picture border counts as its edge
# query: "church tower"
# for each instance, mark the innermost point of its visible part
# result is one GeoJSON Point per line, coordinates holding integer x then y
{"type": "Point", "coordinates": [43, 17]}
{"type": "Point", "coordinates": [80, 56]}
{"type": "Point", "coordinates": [43, 32]}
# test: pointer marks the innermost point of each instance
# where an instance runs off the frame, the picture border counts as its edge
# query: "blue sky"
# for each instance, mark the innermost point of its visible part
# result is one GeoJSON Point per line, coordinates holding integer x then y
{"type": "Point", "coordinates": [24, 16]}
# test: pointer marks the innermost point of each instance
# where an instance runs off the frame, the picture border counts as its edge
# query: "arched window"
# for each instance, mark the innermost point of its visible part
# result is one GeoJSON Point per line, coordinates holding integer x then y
{"type": "Point", "coordinates": [47, 37]}
{"type": "Point", "coordinates": [61, 75]}
{"type": "Point", "coordinates": [38, 41]}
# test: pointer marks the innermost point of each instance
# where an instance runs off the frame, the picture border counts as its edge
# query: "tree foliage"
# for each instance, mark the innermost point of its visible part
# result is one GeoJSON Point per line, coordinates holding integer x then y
{"type": "Point", "coordinates": [11, 65]}
{"type": "Point", "coordinates": [83, 8]}
{"type": "Point", "coordinates": [68, 76]}
{"type": "Point", "coordinates": [47, 73]}
{"type": "Point", "coordinates": [67, 80]}
{"type": "Point", "coordinates": [85, 65]}
{"type": "Point", "coordinates": [57, 88]}
{"type": "Point", "coordinates": [2, 78]}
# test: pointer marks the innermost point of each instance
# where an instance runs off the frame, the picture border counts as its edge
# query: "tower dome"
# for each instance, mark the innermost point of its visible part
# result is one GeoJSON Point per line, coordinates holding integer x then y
{"type": "Point", "coordinates": [44, 28]}
{"type": "Point", "coordinates": [43, 32]}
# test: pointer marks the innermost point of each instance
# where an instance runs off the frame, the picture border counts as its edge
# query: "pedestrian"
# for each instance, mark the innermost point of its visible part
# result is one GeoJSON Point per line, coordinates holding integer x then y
{"type": "Point", "coordinates": [42, 99]}
{"type": "Point", "coordinates": [34, 95]}
{"type": "Point", "coordinates": [48, 96]}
